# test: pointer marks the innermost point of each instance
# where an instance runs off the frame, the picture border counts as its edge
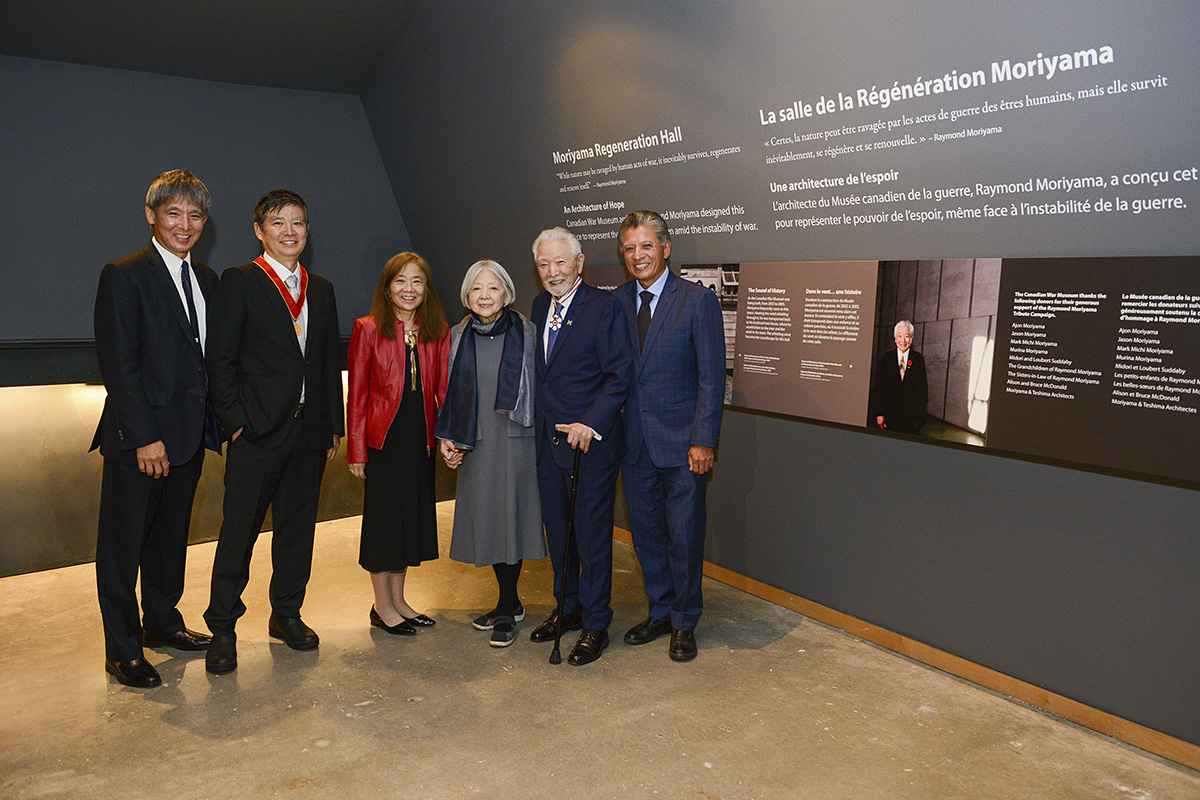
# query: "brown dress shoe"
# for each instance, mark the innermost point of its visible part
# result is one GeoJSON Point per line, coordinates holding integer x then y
{"type": "Point", "coordinates": [589, 647]}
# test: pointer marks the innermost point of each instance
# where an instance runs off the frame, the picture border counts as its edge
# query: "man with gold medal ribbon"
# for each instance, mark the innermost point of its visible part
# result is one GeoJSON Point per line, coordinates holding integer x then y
{"type": "Point", "coordinates": [275, 369]}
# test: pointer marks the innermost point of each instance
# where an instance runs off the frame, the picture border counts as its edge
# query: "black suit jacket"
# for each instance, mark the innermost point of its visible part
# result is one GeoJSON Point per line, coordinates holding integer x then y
{"type": "Point", "coordinates": [256, 367]}
{"type": "Point", "coordinates": [901, 403]}
{"type": "Point", "coordinates": [151, 367]}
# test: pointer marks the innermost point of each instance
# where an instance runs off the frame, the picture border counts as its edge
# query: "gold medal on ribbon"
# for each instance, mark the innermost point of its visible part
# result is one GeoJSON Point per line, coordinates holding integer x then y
{"type": "Point", "coordinates": [295, 305]}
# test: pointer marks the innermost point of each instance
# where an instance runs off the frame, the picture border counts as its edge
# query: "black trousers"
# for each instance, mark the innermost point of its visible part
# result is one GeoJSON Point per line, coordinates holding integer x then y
{"type": "Point", "coordinates": [287, 479]}
{"type": "Point", "coordinates": [143, 526]}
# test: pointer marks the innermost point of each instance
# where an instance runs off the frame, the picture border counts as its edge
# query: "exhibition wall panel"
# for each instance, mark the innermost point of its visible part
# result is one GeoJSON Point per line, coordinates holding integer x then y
{"type": "Point", "coordinates": [783, 133]}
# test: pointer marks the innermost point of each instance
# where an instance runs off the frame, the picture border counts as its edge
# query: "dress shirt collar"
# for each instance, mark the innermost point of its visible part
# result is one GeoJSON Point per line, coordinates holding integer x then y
{"type": "Point", "coordinates": [655, 289]}
{"type": "Point", "coordinates": [172, 261]}
{"type": "Point", "coordinates": [280, 270]}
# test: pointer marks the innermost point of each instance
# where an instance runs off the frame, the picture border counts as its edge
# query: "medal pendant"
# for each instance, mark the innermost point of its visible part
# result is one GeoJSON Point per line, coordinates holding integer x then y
{"type": "Point", "coordinates": [299, 330]}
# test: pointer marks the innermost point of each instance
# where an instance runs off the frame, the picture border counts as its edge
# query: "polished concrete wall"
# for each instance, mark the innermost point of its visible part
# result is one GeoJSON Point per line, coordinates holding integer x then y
{"type": "Point", "coordinates": [50, 483]}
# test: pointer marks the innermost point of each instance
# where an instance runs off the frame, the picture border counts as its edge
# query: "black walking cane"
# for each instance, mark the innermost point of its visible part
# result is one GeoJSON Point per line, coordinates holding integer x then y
{"type": "Point", "coordinates": [555, 655]}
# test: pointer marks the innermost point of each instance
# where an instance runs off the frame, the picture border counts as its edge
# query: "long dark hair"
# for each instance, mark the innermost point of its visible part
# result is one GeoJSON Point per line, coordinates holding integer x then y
{"type": "Point", "coordinates": [431, 320]}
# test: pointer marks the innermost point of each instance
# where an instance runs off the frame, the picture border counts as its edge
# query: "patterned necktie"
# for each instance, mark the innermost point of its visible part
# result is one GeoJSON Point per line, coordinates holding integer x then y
{"type": "Point", "coordinates": [555, 324]}
{"type": "Point", "coordinates": [643, 318]}
{"type": "Point", "coordinates": [191, 303]}
{"type": "Point", "coordinates": [293, 284]}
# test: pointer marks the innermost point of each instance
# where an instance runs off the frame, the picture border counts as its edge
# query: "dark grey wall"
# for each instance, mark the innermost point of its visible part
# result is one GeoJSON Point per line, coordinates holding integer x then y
{"type": "Point", "coordinates": [82, 144]}
{"type": "Point", "coordinates": [1075, 581]}
{"type": "Point", "coordinates": [1081, 583]}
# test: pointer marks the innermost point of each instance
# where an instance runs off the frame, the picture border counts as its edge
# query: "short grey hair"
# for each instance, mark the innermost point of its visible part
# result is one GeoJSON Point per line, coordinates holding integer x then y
{"type": "Point", "coordinates": [903, 324]}
{"type": "Point", "coordinates": [178, 183]}
{"type": "Point", "coordinates": [557, 235]}
{"type": "Point", "coordinates": [510, 291]}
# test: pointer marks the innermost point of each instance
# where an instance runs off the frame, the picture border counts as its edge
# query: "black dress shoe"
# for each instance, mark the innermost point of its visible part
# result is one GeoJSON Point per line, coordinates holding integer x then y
{"type": "Point", "coordinates": [546, 631]}
{"type": "Point", "coordinates": [294, 633]}
{"type": "Point", "coordinates": [589, 647]}
{"type": "Point", "coordinates": [222, 654]}
{"type": "Point", "coordinates": [402, 628]}
{"type": "Point", "coordinates": [683, 645]}
{"type": "Point", "coordinates": [138, 673]}
{"type": "Point", "coordinates": [420, 621]}
{"type": "Point", "coordinates": [180, 640]}
{"type": "Point", "coordinates": [647, 631]}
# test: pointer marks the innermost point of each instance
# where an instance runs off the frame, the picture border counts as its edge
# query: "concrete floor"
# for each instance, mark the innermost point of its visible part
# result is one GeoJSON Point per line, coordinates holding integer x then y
{"type": "Point", "coordinates": [776, 706]}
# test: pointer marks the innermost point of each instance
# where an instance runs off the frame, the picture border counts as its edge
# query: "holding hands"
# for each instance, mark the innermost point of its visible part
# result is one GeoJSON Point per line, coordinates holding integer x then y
{"type": "Point", "coordinates": [451, 456]}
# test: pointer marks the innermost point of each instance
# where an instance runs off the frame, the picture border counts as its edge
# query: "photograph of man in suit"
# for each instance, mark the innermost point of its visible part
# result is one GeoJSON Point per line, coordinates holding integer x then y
{"type": "Point", "coordinates": [583, 368]}
{"type": "Point", "coordinates": [151, 331]}
{"type": "Point", "coordinates": [901, 386]}
{"type": "Point", "coordinates": [274, 362]}
{"type": "Point", "coordinates": [672, 422]}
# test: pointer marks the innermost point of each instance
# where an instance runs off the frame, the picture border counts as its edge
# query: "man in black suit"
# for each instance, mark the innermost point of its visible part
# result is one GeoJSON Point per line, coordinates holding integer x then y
{"type": "Point", "coordinates": [151, 331]}
{"type": "Point", "coordinates": [901, 386]}
{"type": "Point", "coordinates": [275, 365]}
{"type": "Point", "coordinates": [584, 367]}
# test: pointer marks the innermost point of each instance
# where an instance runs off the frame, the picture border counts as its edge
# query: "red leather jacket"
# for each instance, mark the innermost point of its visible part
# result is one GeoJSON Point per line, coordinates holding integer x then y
{"type": "Point", "coordinates": [377, 380]}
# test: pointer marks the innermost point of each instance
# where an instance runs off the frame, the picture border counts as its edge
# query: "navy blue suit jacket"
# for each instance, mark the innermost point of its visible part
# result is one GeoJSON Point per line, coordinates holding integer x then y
{"type": "Point", "coordinates": [587, 376]}
{"type": "Point", "coordinates": [679, 377]}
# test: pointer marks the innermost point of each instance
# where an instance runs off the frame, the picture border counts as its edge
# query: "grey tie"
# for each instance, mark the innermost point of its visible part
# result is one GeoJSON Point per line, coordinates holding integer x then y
{"type": "Point", "coordinates": [293, 284]}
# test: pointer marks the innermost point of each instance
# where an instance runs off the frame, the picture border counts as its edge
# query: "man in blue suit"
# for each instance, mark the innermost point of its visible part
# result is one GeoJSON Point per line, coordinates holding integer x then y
{"type": "Point", "coordinates": [584, 366]}
{"type": "Point", "coordinates": [672, 419]}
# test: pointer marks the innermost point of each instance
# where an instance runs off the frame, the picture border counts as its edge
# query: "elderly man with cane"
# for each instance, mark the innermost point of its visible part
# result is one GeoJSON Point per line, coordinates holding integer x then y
{"type": "Point", "coordinates": [584, 366]}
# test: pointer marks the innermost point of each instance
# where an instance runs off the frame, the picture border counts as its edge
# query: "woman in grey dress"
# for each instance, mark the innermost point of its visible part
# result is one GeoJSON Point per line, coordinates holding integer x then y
{"type": "Point", "coordinates": [486, 432]}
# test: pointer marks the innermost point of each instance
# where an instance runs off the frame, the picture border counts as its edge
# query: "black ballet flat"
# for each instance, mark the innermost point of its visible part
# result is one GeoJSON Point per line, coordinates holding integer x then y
{"type": "Point", "coordinates": [420, 621]}
{"type": "Point", "coordinates": [403, 628]}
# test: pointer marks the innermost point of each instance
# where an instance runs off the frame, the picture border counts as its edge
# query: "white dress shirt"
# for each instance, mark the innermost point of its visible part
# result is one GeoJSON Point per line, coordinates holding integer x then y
{"type": "Point", "coordinates": [175, 270]}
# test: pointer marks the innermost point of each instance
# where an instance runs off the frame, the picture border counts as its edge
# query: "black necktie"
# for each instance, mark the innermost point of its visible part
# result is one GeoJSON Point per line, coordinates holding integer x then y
{"type": "Point", "coordinates": [191, 304]}
{"type": "Point", "coordinates": [212, 435]}
{"type": "Point", "coordinates": [644, 317]}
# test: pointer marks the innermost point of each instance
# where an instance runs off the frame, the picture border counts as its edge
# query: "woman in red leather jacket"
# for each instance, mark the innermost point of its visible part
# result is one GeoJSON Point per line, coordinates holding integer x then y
{"type": "Point", "coordinates": [398, 371]}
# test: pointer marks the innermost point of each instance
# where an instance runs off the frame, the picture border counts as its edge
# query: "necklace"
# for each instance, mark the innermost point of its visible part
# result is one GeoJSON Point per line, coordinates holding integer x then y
{"type": "Point", "coordinates": [410, 339]}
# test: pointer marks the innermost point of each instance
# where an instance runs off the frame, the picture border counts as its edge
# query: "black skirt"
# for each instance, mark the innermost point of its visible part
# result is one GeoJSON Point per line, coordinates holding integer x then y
{"type": "Point", "coordinates": [399, 522]}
